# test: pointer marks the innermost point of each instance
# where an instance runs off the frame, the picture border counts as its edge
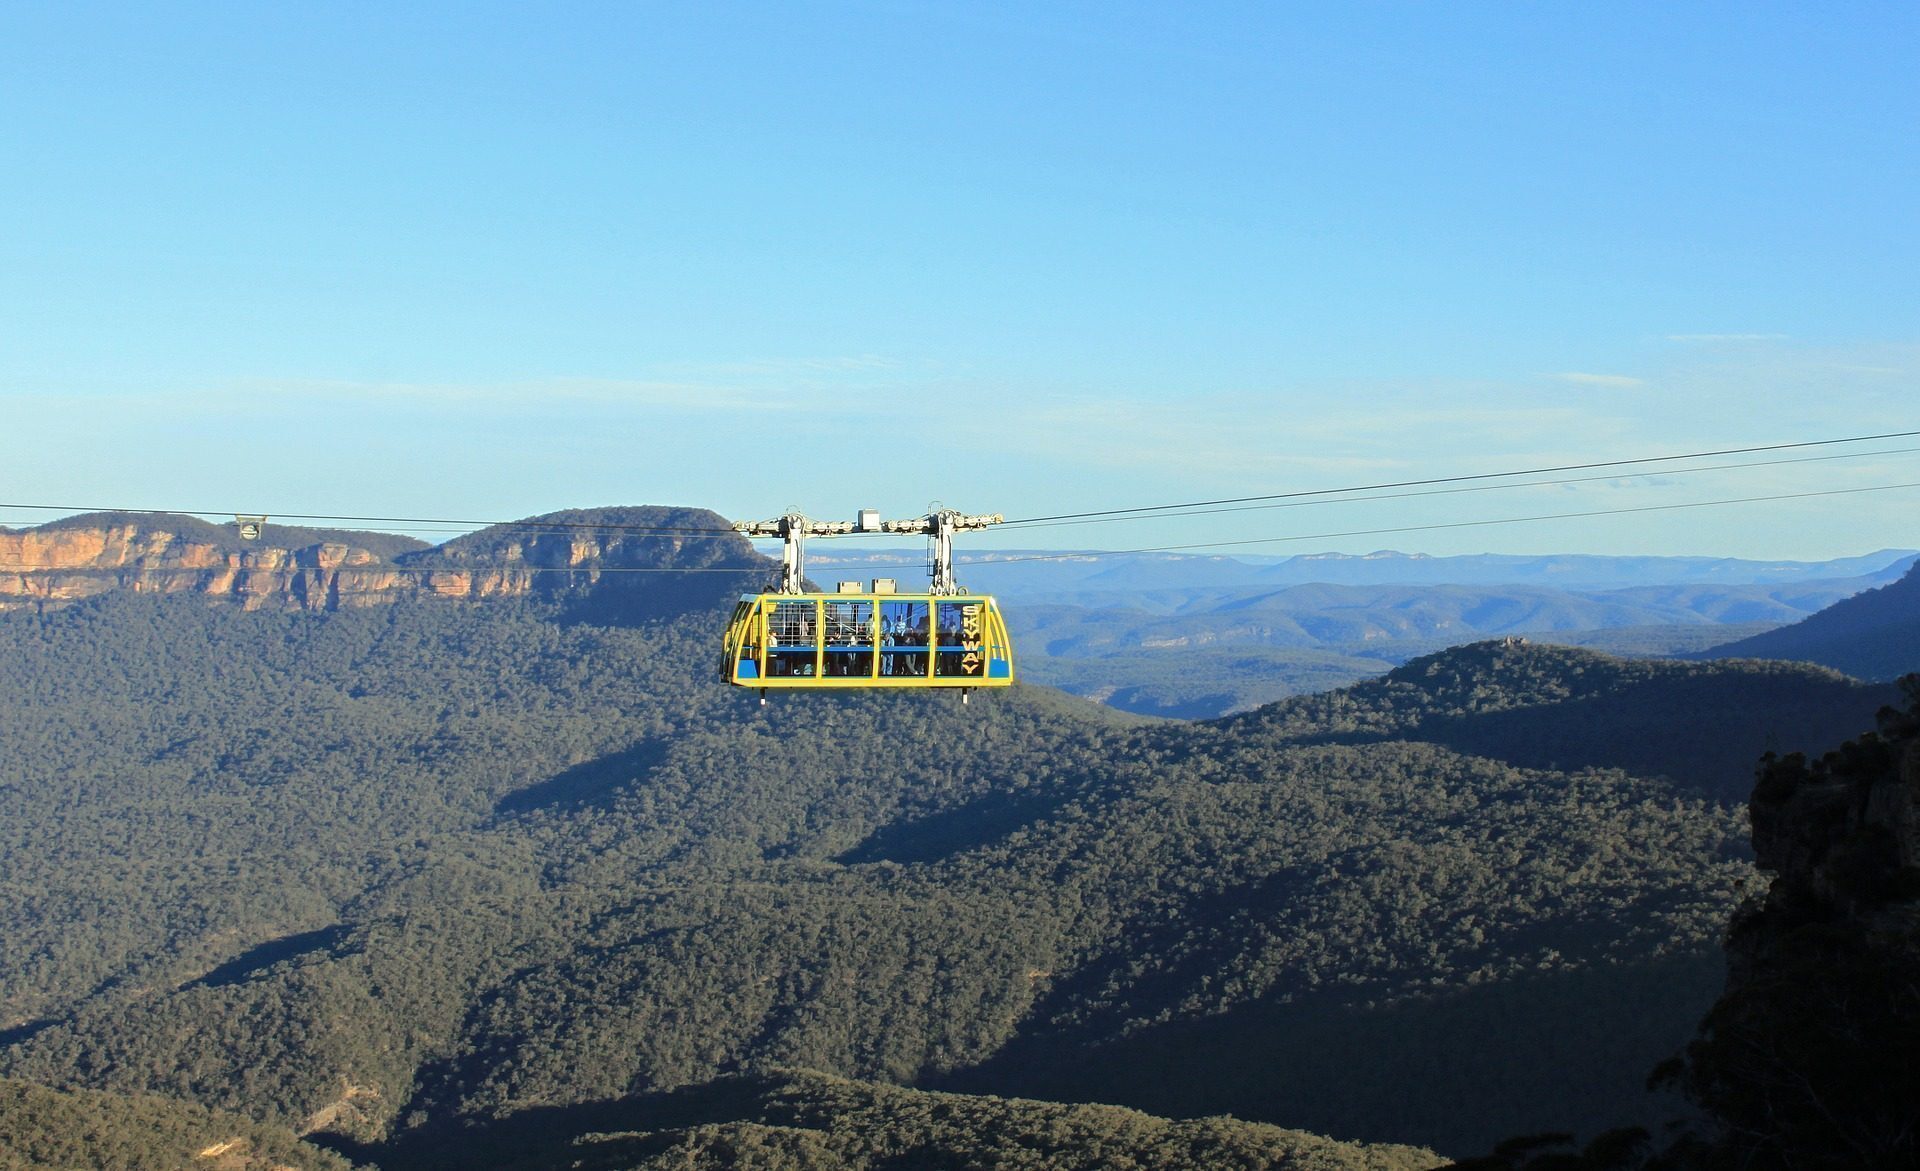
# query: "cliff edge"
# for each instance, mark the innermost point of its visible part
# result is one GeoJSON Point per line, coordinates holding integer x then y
{"type": "Point", "coordinates": [288, 567]}
{"type": "Point", "coordinates": [1811, 1059]}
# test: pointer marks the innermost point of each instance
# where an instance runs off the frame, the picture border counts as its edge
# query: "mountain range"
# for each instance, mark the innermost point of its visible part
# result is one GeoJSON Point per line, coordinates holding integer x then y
{"type": "Point", "coordinates": [84, 556]}
{"type": "Point", "coordinates": [1203, 652]}
{"type": "Point", "coordinates": [394, 874]}
{"type": "Point", "coordinates": [1158, 634]}
{"type": "Point", "coordinates": [1056, 575]}
{"type": "Point", "coordinates": [503, 856]}
{"type": "Point", "coordinates": [1871, 635]}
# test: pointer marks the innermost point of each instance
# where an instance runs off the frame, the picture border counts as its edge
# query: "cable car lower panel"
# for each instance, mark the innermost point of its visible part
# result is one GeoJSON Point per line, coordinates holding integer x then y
{"type": "Point", "coordinates": [867, 640]}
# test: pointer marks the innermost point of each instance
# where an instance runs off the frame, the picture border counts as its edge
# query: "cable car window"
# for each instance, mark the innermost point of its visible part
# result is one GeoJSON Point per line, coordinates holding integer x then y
{"type": "Point", "coordinates": [962, 632]}
{"type": "Point", "coordinates": [849, 639]}
{"type": "Point", "coordinates": [791, 631]}
{"type": "Point", "coordinates": [749, 633]}
{"type": "Point", "coordinates": [903, 638]}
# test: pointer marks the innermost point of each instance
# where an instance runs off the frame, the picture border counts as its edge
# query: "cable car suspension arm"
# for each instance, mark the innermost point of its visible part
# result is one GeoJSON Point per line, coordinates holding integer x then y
{"type": "Point", "coordinates": [794, 528]}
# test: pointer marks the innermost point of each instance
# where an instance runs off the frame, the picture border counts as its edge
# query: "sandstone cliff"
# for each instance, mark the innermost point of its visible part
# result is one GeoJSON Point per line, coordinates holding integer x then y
{"type": "Point", "coordinates": [323, 569]}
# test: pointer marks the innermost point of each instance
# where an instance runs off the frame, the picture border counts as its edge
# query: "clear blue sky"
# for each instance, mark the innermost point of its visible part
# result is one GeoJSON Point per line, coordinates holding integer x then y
{"type": "Point", "coordinates": [484, 261]}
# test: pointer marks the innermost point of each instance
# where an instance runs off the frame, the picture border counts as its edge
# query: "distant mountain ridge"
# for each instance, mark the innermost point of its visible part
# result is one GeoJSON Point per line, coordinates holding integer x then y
{"type": "Point", "coordinates": [1161, 634]}
{"type": "Point", "coordinates": [323, 568]}
{"type": "Point", "coordinates": [1197, 636]}
{"type": "Point", "coordinates": [1871, 635]}
{"type": "Point", "coordinates": [1055, 575]}
{"type": "Point", "coordinates": [1349, 616]}
{"type": "Point", "coordinates": [1200, 652]}
{"type": "Point", "coordinates": [288, 567]}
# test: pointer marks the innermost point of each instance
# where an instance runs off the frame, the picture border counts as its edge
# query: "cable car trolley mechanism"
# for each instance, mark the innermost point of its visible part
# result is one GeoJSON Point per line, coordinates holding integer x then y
{"type": "Point", "coordinates": [871, 637]}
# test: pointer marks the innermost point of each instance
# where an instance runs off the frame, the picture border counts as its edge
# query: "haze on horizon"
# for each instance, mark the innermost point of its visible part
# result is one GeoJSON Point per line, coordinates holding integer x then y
{"type": "Point", "coordinates": [484, 262]}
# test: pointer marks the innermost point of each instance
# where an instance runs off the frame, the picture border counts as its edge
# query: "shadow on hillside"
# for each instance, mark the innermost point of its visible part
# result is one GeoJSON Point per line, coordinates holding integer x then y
{"type": "Point", "coordinates": [1148, 699]}
{"type": "Point", "coordinates": [585, 786]}
{"type": "Point", "coordinates": [546, 1135]}
{"type": "Point", "coordinates": [939, 836]}
{"type": "Point", "coordinates": [260, 957]}
{"type": "Point", "coordinates": [1682, 728]}
{"type": "Point", "coordinates": [26, 1032]}
{"type": "Point", "coordinates": [1565, 1051]}
{"type": "Point", "coordinates": [1704, 733]}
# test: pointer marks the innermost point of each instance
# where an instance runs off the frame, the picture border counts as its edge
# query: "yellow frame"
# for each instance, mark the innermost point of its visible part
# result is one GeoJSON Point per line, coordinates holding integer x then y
{"type": "Point", "coordinates": [752, 613]}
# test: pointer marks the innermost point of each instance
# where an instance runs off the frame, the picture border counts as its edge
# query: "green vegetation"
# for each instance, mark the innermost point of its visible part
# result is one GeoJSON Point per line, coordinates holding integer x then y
{"type": "Point", "coordinates": [1654, 641]}
{"type": "Point", "coordinates": [183, 782]}
{"type": "Point", "coordinates": [1699, 726]}
{"type": "Point", "coordinates": [800, 1121]}
{"type": "Point", "coordinates": [373, 871]}
{"type": "Point", "coordinates": [57, 1130]}
{"type": "Point", "coordinates": [1806, 1062]}
{"type": "Point", "coordinates": [1809, 1058]}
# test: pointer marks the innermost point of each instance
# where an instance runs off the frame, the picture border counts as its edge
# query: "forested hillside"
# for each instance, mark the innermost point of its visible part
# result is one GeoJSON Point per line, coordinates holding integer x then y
{"type": "Point", "coordinates": [1806, 1060]}
{"type": "Point", "coordinates": [800, 1121]}
{"type": "Point", "coordinates": [370, 871]}
{"type": "Point", "coordinates": [85, 1129]}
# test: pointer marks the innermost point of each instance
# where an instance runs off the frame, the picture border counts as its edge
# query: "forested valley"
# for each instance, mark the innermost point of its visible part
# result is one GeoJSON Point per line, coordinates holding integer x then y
{"type": "Point", "coordinates": [522, 877]}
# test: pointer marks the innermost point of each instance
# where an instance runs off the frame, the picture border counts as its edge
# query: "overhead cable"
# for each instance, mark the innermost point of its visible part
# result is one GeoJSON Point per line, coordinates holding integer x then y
{"type": "Point", "coordinates": [1610, 463]}
{"type": "Point", "coordinates": [378, 567]}
{"type": "Point", "coordinates": [557, 526]}
{"type": "Point", "coordinates": [1302, 498]}
{"type": "Point", "coordinates": [1074, 556]}
{"type": "Point", "coordinates": [1460, 524]}
{"type": "Point", "coordinates": [1764, 463]}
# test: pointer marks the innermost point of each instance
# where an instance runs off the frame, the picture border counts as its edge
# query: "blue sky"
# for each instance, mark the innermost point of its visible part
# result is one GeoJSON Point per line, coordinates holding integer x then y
{"type": "Point", "coordinates": [486, 261]}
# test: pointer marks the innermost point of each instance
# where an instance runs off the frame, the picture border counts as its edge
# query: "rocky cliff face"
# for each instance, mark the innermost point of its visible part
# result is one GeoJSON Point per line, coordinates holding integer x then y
{"type": "Point", "coordinates": [314, 569]}
{"type": "Point", "coordinates": [1812, 1057]}
{"type": "Point", "coordinates": [40, 569]}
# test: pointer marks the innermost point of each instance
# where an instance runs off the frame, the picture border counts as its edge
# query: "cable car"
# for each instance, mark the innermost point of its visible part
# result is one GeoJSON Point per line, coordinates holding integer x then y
{"type": "Point", "coordinates": [867, 638]}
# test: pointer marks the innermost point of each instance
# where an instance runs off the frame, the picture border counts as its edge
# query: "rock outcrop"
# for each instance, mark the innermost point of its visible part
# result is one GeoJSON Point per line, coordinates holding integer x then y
{"type": "Point", "coordinates": [1812, 1057]}
{"type": "Point", "coordinates": [322, 569]}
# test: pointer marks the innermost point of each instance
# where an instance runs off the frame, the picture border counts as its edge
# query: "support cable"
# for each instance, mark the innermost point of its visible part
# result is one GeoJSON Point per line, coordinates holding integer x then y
{"type": "Point", "coordinates": [1611, 463]}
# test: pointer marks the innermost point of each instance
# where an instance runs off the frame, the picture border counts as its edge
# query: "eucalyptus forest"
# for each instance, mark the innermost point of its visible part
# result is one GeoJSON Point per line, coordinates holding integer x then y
{"type": "Point", "coordinates": [520, 883]}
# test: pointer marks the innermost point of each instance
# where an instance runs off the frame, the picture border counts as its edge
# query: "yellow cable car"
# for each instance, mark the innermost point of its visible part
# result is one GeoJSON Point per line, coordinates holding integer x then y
{"type": "Point", "coordinates": [792, 638]}
{"type": "Point", "coordinates": [867, 639]}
